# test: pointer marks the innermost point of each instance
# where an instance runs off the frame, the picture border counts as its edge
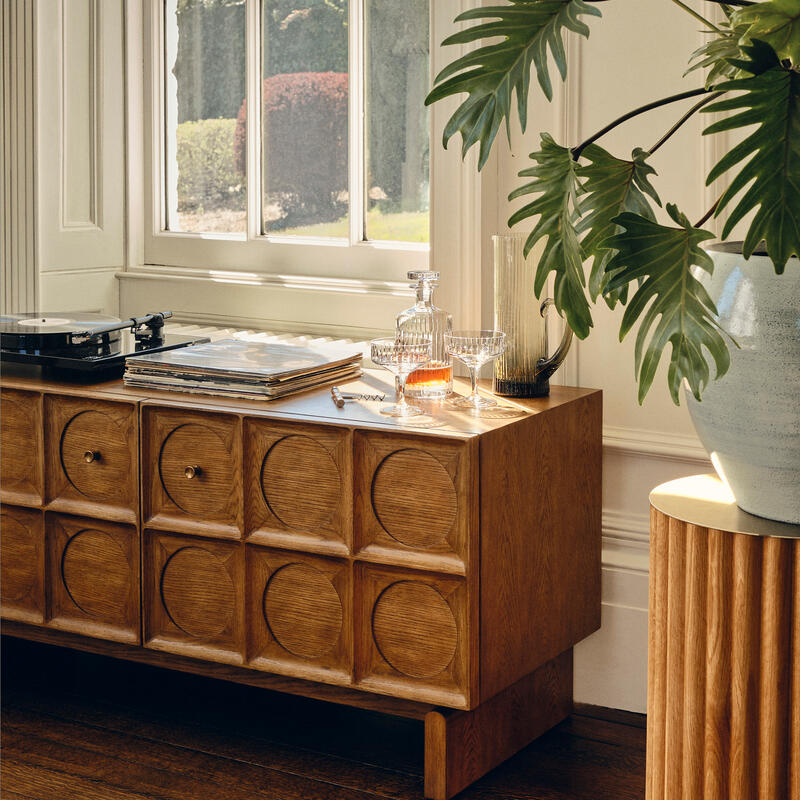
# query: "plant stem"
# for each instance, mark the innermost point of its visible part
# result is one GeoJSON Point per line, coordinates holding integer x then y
{"type": "Point", "coordinates": [576, 151]}
{"type": "Point", "coordinates": [684, 118]}
{"type": "Point", "coordinates": [708, 213]}
{"type": "Point", "coordinates": [697, 16]}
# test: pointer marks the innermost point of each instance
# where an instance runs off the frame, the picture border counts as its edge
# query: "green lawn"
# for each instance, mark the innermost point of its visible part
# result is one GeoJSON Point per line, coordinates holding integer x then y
{"type": "Point", "coordinates": [406, 226]}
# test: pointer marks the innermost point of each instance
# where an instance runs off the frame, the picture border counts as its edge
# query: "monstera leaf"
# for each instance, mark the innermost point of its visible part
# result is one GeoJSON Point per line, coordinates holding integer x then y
{"type": "Point", "coordinates": [612, 186]}
{"type": "Point", "coordinates": [494, 71]}
{"type": "Point", "coordinates": [674, 306]}
{"type": "Point", "coordinates": [777, 23]}
{"type": "Point", "coordinates": [770, 100]}
{"type": "Point", "coordinates": [555, 181]}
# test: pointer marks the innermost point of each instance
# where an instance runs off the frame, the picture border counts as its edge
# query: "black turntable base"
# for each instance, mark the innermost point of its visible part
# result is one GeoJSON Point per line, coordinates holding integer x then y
{"type": "Point", "coordinates": [83, 346]}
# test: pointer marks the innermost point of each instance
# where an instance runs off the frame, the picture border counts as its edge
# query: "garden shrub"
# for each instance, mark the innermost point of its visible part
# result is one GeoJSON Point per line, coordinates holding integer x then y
{"type": "Point", "coordinates": [208, 175]}
{"type": "Point", "coordinates": [305, 165]}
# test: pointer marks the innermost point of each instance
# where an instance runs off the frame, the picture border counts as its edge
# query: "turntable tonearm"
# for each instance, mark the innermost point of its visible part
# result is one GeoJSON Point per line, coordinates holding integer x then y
{"type": "Point", "coordinates": [88, 345]}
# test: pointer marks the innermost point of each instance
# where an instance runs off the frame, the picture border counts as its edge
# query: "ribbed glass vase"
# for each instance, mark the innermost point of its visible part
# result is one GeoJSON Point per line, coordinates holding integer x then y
{"type": "Point", "coordinates": [524, 369]}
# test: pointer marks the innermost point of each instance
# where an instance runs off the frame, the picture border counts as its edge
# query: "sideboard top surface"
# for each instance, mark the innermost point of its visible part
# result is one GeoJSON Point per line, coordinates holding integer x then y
{"type": "Point", "coordinates": [316, 405]}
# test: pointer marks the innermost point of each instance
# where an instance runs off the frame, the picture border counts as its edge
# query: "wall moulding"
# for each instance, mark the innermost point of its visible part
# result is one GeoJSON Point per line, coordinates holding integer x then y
{"type": "Point", "coordinates": [94, 290]}
{"type": "Point", "coordinates": [655, 444]}
{"type": "Point", "coordinates": [18, 255]}
{"type": "Point", "coordinates": [80, 158]}
{"type": "Point", "coordinates": [81, 100]}
{"type": "Point", "coordinates": [626, 541]}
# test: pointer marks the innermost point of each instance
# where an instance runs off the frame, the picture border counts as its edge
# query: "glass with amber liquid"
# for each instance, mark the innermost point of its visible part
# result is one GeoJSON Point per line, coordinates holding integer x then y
{"type": "Point", "coordinates": [435, 379]}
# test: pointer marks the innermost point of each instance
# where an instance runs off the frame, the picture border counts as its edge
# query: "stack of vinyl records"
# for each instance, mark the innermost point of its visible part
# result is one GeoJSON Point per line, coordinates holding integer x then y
{"type": "Point", "coordinates": [252, 370]}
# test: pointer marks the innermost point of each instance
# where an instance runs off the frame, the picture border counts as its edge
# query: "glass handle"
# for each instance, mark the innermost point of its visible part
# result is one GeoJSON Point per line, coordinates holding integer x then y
{"type": "Point", "coordinates": [545, 367]}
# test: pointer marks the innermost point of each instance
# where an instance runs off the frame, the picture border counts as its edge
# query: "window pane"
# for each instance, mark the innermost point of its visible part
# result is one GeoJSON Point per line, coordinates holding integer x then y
{"type": "Point", "coordinates": [204, 93]}
{"type": "Point", "coordinates": [397, 120]}
{"type": "Point", "coordinates": [304, 117]}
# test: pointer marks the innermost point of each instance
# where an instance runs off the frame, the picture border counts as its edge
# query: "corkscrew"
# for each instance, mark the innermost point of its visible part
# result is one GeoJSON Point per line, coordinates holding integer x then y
{"type": "Point", "coordinates": [339, 397]}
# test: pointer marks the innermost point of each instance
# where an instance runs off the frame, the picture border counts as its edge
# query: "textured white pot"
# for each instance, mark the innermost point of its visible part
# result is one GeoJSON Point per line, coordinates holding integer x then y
{"type": "Point", "coordinates": [749, 420]}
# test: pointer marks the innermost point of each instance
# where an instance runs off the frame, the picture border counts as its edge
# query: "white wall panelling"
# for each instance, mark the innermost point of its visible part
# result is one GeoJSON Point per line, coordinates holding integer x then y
{"type": "Point", "coordinates": [93, 289]}
{"type": "Point", "coordinates": [232, 298]}
{"type": "Point", "coordinates": [17, 152]}
{"type": "Point", "coordinates": [81, 152]}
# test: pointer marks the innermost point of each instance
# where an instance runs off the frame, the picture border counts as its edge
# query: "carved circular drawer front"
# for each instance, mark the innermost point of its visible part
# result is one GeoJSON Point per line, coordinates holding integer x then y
{"type": "Point", "coordinates": [414, 629]}
{"type": "Point", "coordinates": [19, 448]}
{"type": "Point", "coordinates": [301, 483]}
{"type": "Point", "coordinates": [303, 610]}
{"type": "Point", "coordinates": [196, 469]}
{"type": "Point", "coordinates": [19, 562]}
{"type": "Point", "coordinates": [96, 574]}
{"type": "Point", "coordinates": [414, 498]}
{"type": "Point", "coordinates": [197, 592]}
{"type": "Point", "coordinates": [95, 455]}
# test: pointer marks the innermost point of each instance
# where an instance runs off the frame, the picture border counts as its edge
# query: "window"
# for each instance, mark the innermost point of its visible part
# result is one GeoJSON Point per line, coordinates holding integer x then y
{"type": "Point", "coordinates": [334, 153]}
{"type": "Point", "coordinates": [217, 232]}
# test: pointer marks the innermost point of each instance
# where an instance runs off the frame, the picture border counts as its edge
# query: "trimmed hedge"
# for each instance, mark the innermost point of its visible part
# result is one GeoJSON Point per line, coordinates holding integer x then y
{"type": "Point", "coordinates": [305, 164]}
{"type": "Point", "coordinates": [208, 175]}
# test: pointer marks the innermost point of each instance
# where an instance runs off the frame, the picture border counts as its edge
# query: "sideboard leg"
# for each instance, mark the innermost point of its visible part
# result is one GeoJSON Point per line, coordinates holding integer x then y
{"type": "Point", "coordinates": [462, 746]}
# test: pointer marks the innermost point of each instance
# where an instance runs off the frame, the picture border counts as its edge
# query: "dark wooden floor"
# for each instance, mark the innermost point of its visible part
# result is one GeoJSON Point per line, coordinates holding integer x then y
{"type": "Point", "coordinates": [83, 727]}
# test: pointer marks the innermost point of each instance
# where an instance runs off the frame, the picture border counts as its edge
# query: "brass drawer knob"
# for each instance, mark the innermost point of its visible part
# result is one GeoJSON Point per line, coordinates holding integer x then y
{"type": "Point", "coordinates": [91, 455]}
{"type": "Point", "coordinates": [193, 471]}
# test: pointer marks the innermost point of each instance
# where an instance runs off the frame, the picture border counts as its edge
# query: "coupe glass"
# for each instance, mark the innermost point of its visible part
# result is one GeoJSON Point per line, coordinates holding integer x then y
{"type": "Point", "coordinates": [401, 356]}
{"type": "Point", "coordinates": [474, 348]}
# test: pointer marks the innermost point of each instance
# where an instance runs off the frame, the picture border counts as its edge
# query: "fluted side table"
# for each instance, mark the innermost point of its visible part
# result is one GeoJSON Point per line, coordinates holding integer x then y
{"type": "Point", "coordinates": [723, 695]}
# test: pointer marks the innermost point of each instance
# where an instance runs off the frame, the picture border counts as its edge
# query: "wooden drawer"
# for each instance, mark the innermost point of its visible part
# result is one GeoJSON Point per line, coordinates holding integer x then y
{"type": "Point", "coordinates": [93, 577]}
{"type": "Point", "coordinates": [299, 615]}
{"type": "Point", "coordinates": [193, 596]}
{"type": "Point", "coordinates": [298, 482]}
{"type": "Point", "coordinates": [415, 501]}
{"type": "Point", "coordinates": [22, 564]}
{"type": "Point", "coordinates": [91, 455]}
{"type": "Point", "coordinates": [21, 457]}
{"type": "Point", "coordinates": [191, 468]}
{"type": "Point", "coordinates": [415, 635]}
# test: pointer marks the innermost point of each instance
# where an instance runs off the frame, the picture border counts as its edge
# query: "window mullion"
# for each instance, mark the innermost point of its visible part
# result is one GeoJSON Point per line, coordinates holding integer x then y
{"type": "Point", "coordinates": [356, 127]}
{"type": "Point", "coordinates": [253, 89]}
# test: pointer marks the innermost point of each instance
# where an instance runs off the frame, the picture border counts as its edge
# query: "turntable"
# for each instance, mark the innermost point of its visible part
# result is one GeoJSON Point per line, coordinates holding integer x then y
{"type": "Point", "coordinates": [91, 346]}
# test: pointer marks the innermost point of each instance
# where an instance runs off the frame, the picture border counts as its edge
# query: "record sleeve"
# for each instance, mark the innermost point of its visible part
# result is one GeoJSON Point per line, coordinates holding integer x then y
{"type": "Point", "coordinates": [269, 362]}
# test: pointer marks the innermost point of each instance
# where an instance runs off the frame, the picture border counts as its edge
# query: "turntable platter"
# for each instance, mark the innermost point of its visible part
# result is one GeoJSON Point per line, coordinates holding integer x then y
{"type": "Point", "coordinates": [58, 322]}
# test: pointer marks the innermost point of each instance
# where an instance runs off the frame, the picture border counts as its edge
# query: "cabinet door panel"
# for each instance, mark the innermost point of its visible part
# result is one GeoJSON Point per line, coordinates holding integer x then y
{"type": "Point", "coordinates": [299, 614]}
{"type": "Point", "coordinates": [22, 564]}
{"type": "Point", "coordinates": [92, 458]}
{"type": "Point", "coordinates": [93, 574]}
{"type": "Point", "coordinates": [194, 596]}
{"type": "Point", "coordinates": [414, 636]}
{"type": "Point", "coordinates": [298, 486]}
{"type": "Point", "coordinates": [21, 457]}
{"type": "Point", "coordinates": [415, 501]}
{"type": "Point", "coordinates": [192, 472]}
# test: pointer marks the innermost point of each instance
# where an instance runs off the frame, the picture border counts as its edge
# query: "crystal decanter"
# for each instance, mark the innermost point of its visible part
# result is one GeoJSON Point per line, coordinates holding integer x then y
{"type": "Point", "coordinates": [435, 379]}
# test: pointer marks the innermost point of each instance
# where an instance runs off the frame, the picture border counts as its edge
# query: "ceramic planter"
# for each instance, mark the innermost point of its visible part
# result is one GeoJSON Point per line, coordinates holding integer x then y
{"type": "Point", "coordinates": [749, 421]}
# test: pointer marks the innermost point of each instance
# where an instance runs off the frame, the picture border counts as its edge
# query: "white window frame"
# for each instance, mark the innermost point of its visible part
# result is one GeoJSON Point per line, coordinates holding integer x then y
{"type": "Point", "coordinates": [345, 287]}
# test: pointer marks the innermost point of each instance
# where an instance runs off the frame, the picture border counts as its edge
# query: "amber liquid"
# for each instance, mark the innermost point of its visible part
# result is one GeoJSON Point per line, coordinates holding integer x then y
{"type": "Point", "coordinates": [435, 376]}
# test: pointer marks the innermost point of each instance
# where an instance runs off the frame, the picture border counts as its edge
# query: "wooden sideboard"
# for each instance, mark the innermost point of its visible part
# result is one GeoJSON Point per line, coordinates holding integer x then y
{"type": "Point", "coordinates": [442, 573]}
